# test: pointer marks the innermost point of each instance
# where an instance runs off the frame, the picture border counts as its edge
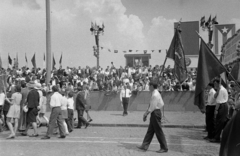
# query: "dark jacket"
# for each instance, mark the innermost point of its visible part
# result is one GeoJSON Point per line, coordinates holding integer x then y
{"type": "Point", "coordinates": [33, 99]}
{"type": "Point", "coordinates": [80, 101]}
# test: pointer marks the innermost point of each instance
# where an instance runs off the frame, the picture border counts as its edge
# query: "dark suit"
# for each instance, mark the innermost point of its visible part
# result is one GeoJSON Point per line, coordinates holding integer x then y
{"type": "Point", "coordinates": [80, 107]}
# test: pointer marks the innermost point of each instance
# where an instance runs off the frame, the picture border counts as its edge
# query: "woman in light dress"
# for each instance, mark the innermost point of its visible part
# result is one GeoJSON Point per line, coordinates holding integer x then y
{"type": "Point", "coordinates": [14, 111]}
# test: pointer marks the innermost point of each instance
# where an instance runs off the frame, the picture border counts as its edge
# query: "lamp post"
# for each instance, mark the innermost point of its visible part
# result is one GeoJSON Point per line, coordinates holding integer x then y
{"type": "Point", "coordinates": [97, 30]}
{"type": "Point", "coordinates": [208, 25]}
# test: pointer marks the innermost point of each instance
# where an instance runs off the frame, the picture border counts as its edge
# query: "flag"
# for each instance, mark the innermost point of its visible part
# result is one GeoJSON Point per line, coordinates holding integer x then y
{"type": "Point", "coordinates": [124, 51]}
{"type": "Point", "coordinates": [137, 50]}
{"type": "Point", "coordinates": [26, 58]}
{"type": "Point", "coordinates": [202, 21]}
{"type": "Point", "coordinates": [214, 20]}
{"type": "Point", "coordinates": [209, 67]}
{"type": "Point", "coordinates": [130, 51]}
{"type": "Point", "coordinates": [208, 23]}
{"type": "Point", "coordinates": [115, 51]}
{"type": "Point", "coordinates": [225, 28]}
{"type": "Point", "coordinates": [16, 62]}
{"type": "Point", "coordinates": [0, 63]}
{"type": "Point", "coordinates": [235, 72]}
{"type": "Point", "coordinates": [44, 61]}
{"type": "Point", "coordinates": [102, 48]}
{"type": "Point", "coordinates": [176, 53]}
{"type": "Point", "coordinates": [109, 50]}
{"type": "Point", "coordinates": [152, 50]}
{"type": "Point", "coordinates": [33, 61]}
{"type": "Point", "coordinates": [145, 51]}
{"type": "Point", "coordinates": [60, 61]}
{"type": "Point", "coordinates": [54, 63]}
{"type": "Point", "coordinates": [9, 61]}
{"type": "Point", "coordinates": [159, 51]}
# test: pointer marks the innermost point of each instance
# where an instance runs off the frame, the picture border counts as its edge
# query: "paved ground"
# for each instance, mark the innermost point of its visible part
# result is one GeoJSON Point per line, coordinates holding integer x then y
{"type": "Point", "coordinates": [134, 119]}
{"type": "Point", "coordinates": [108, 141]}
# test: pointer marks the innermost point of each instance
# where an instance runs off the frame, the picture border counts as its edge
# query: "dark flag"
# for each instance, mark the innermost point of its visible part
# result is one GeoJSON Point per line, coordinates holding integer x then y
{"type": "Point", "coordinates": [9, 61]}
{"type": "Point", "coordinates": [202, 21]}
{"type": "Point", "coordinates": [54, 63]}
{"type": "Point", "coordinates": [26, 58]}
{"type": "Point", "coordinates": [60, 61]}
{"type": "Point", "coordinates": [214, 20]}
{"type": "Point", "coordinates": [209, 67]}
{"type": "Point", "coordinates": [0, 63]}
{"type": "Point", "coordinates": [176, 53]}
{"type": "Point", "coordinates": [235, 71]}
{"type": "Point", "coordinates": [33, 61]}
{"type": "Point", "coordinates": [159, 51]}
{"type": "Point", "coordinates": [208, 22]}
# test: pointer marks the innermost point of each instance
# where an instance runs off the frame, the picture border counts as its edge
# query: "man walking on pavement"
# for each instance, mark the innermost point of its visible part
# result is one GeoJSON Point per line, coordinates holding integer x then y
{"type": "Point", "coordinates": [80, 107]}
{"type": "Point", "coordinates": [124, 98]}
{"type": "Point", "coordinates": [156, 103]}
{"type": "Point", "coordinates": [56, 115]}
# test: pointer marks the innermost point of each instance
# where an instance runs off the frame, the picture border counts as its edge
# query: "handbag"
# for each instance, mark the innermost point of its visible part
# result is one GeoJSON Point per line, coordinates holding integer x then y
{"type": "Point", "coordinates": [25, 108]}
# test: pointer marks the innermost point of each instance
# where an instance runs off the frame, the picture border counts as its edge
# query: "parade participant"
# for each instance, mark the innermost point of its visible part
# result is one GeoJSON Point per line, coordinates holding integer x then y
{"type": "Point", "coordinates": [210, 107]}
{"type": "Point", "coordinates": [80, 107]}
{"type": "Point", "coordinates": [125, 95]}
{"type": "Point", "coordinates": [64, 102]}
{"type": "Point", "coordinates": [56, 114]}
{"type": "Point", "coordinates": [2, 99]}
{"type": "Point", "coordinates": [221, 109]}
{"type": "Point", "coordinates": [14, 111]}
{"type": "Point", "coordinates": [33, 108]}
{"type": "Point", "coordinates": [23, 115]}
{"type": "Point", "coordinates": [88, 106]}
{"type": "Point", "coordinates": [155, 105]}
{"type": "Point", "coordinates": [230, 142]}
{"type": "Point", "coordinates": [43, 109]}
{"type": "Point", "coordinates": [70, 108]}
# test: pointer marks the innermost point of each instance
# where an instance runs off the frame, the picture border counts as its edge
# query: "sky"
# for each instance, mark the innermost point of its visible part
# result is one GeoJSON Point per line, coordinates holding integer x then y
{"type": "Point", "coordinates": [129, 25]}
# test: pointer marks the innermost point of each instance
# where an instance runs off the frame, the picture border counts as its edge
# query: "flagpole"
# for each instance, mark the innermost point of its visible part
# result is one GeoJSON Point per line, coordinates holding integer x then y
{"type": "Point", "coordinates": [219, 61]}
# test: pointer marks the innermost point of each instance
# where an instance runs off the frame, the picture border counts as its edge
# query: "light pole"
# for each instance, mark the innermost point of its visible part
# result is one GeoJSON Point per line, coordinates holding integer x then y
{"type": "Point", "coordinates": [97, 30]}
{"type": "Point", "coordinates": [208, 25]}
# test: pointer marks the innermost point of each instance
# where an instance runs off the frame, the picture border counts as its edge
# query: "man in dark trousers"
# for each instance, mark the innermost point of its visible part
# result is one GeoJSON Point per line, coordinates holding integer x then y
{"type": "Point", "coordinates": [156, 103]}
{"type": "Point", "coordinates": [80, 107]}
{"type": "Point", "coordinates": [124, 98]}
{"type": "Point", "coordinates": [56, 115]}
{"type": "Point", "coordinates": [221, 110]}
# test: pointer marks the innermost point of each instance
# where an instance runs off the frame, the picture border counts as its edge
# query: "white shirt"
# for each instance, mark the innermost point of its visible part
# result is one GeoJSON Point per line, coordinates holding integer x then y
{"type": "Point", "coordinates": [125, 93]}
{"type": "Point", "coordinates": [222, 96]}
{"type": "Point", "coordinates": [56, 100]}
{"type": "Point", "coordinates": [2, 99]}
{"type": "Point", "coordinates": [70, 103]}
{"type": "Point", "coordinates": [156, 101]}
{"type": "Point", "coordinates": [211, 101]}
{"type": "Point", "coordinates": [64, 103]}
{"type": "Point", "coordinates": [40, 97]}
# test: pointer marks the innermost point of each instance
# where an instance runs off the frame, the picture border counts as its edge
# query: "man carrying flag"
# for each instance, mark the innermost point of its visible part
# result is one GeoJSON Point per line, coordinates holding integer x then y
{"type": "Point", "coordinates": [176, 53]}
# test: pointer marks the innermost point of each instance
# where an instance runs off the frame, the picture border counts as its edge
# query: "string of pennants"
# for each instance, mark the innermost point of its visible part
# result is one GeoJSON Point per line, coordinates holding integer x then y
{"type": "Point", "coordinates": [129, 51]}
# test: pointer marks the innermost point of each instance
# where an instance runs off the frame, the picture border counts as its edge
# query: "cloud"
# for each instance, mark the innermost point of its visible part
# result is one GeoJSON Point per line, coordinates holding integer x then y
{"type": "Point", "coordinates": [32, 4]}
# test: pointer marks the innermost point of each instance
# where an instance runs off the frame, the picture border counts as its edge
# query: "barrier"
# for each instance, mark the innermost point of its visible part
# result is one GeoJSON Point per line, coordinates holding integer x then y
{"type": "Point", "coordinates": [174, 101]}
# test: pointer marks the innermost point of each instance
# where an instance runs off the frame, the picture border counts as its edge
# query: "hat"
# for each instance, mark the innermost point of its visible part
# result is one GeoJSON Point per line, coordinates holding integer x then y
{"type": "Point", "coordinates": [31, 84]}
{"type": "Point", "coordinates": [38, 86]}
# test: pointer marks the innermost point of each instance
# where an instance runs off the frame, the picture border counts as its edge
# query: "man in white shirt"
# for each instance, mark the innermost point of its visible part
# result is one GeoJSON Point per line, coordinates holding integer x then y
{"type": "Point", "coordinates": [56, 115]}
{"type": "Point", "coordinates": [210, 107]}
{"type": "Point", "coordinates": [156, 103]}
{"type": "Point", "coordinates": [125, 95]}
{"type": "Point", "coordinates": [221, 110]}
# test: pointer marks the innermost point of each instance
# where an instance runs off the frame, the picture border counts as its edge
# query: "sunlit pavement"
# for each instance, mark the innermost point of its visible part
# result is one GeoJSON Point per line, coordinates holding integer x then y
{"type": "Point", "coordinates": [108, 141]}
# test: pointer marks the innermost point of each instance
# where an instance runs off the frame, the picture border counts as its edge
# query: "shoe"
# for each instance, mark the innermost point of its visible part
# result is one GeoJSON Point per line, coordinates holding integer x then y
{"type": "Point", "coordinates": [78, 127]}
{"type": "Point", "coordinates": [11, 137]}
{"type": "Point", "coordinates": [87, 124]}
{"type": "Point", "coordinates": [214, 140]}
{"type": "Point", "coordinates": [24, 134]}
{"type": "Point", "coordinates": [141, 148]}
{"type": "Point", "coordinates": [62, 137]}
{"type": "Point", "coordinates": [33, 135]}
{"type": "Point", "coordinates": [90, 120]}
{"type": "Point", "coordinates": [70, 131]}
{"type": "Point", "coordinates": [45, 137]}
{"type": "Point", "coordinates": [162, 151]}
{"type": "Point", "coordinates": [55, 133]}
